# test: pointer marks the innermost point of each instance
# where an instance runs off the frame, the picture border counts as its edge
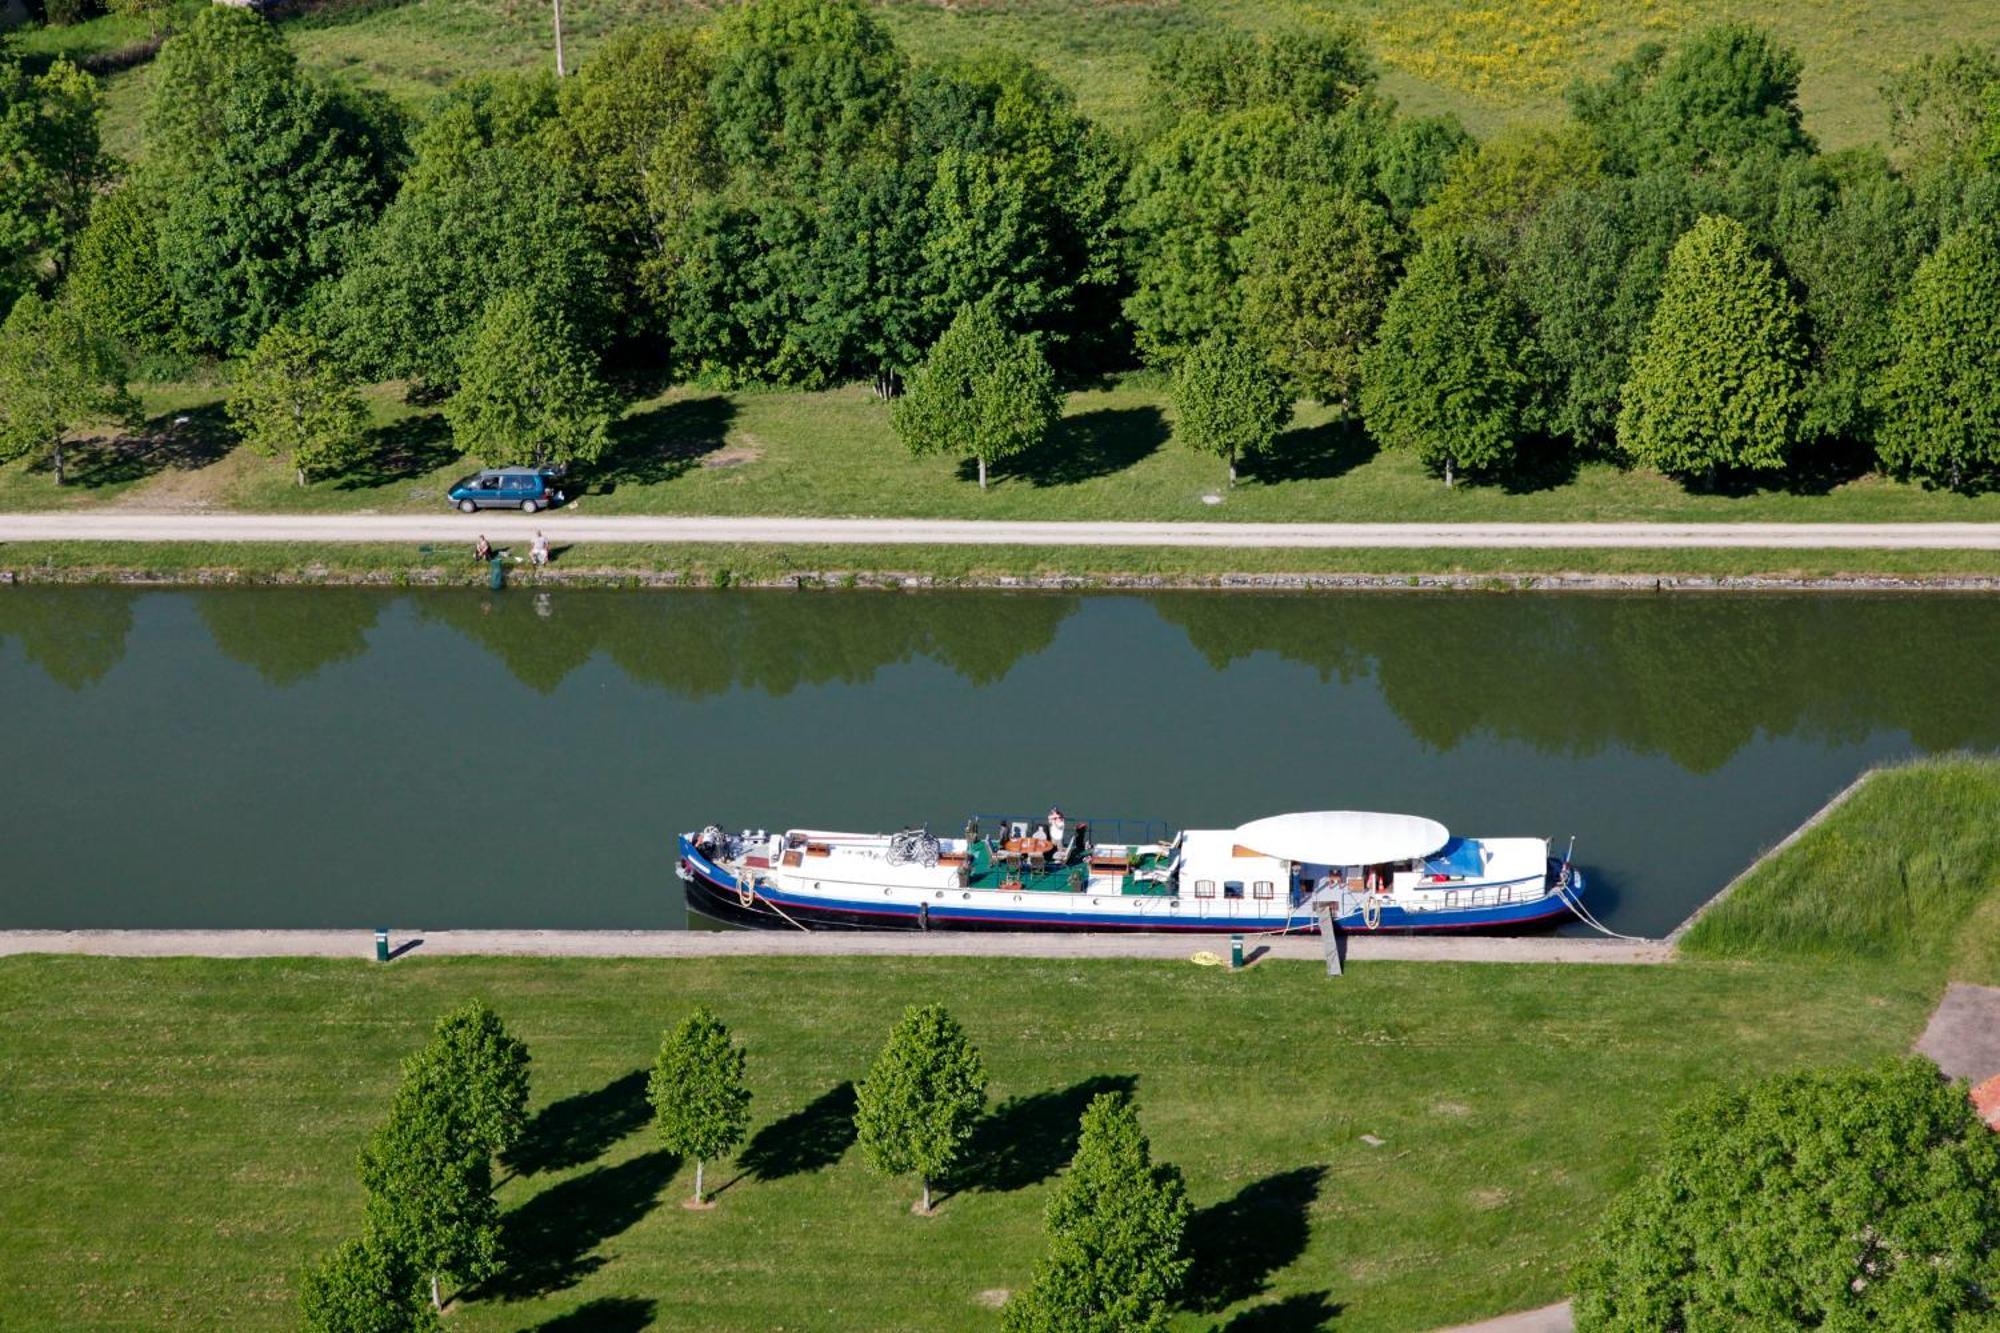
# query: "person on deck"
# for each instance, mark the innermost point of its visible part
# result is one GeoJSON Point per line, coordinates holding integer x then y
{"type": "Point", "coordinates": [1057, 827]}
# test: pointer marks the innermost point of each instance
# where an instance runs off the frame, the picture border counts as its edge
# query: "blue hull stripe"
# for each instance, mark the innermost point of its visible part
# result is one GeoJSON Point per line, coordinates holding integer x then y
{"type": "Point", "coordinates": [1393, 917]}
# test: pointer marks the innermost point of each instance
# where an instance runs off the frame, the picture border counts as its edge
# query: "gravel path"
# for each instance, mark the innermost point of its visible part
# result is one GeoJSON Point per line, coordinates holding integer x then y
{"type": "Point", "coordinates": [762, 943]}
{"type": "Point", "coordinates": [578, 526]}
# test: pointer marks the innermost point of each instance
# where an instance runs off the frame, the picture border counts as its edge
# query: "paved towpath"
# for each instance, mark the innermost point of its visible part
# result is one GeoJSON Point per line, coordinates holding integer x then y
{"type": "Point", "coordinates": [1963, 1035]}
{"type": "Point", "coordinates": [1548, 1319]}
{"type": "Point", "coordinates": [770, 943]}
{"type": "Point", "coordinates": [579, 526]}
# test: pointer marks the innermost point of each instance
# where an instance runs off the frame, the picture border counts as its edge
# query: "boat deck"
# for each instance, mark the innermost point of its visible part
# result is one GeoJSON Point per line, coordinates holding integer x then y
{"type": "Point", "coordinates": [1007, 874]}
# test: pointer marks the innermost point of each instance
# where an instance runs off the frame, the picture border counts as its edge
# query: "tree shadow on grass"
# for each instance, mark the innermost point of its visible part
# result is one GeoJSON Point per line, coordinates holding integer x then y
{"type": "Point", "coordinates": [548, 1241]}
{"type": "Point", "coordinates": [1239, 1243]}
{"type": "Point", "coordinates": [415, 446]}
{"type": "Point", "coordinates": [1028, 1139]}
{"type": "Point", "coordinates": [1307, 1312]}
{"type": "Point", "coordinates": [663, 442]}
{"type": "Point", "coordinates": [1087, 445]}
{"type": "Point", "coordinates": [606, 1314]}
{"type": "Point", "coordinates": [580, 1129]}
{"type": "Point", "coordinates": [809, 1139]}
{"type": "Point", "coordinates": [1311, 453]}
{"type": "Point", "coordinates": [181, 441]}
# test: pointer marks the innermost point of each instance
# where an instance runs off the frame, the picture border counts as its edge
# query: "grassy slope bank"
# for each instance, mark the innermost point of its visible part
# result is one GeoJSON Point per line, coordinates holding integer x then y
{"type": "Point", "coordinates": [836, 566]}
{"type": "Point", "coordinates": [1905, 872]}
{"type": "Point", "coordinates": [179, 1135]}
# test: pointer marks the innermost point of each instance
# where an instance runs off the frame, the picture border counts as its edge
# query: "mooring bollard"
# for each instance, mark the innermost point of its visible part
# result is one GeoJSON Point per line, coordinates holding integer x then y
{"type": "Point", "coordinates": [382, 944]}
{"type": "Point", "coordinates": [1235, 953]}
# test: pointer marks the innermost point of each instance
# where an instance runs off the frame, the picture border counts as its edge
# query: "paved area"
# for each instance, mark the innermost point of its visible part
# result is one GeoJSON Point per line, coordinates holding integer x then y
{"type": "Point", "coordinates": [764, 943]}
{"type": "Point", "coordinates": [1548, 1319]}
{"type": "Point", "coordinates": [577, 525]}
{"type": "Point", "coordinates": [1963, 1035]}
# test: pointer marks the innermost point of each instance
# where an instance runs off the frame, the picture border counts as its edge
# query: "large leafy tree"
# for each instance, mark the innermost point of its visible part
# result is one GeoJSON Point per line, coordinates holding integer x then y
{"type": "Point", "coordinates": [365, 1286]}
{"type": "Point", "coordinates": [1588, 270]}
{"type": "Point", "coordinates": [1849, 234]}
{"type": "Point", "coordinates": [1844, 1198]}
{"type": "Point", "coordinates": [798, 84]}
{"type": "Point", "coordinates": [1726, 93]}
{"type": "Point", "coordinates": [635, 129]}
{"type": "Point", "coordinates": [224, 51]}
{"type": "Point", "coordinates": [982, 391]}
{"type": "Point", "coordinates": [506, 219]}
{"type": "Point", "coordinates": [1451, 375]}
{"type": "Point", "coordinates": [51, 165]}
{"type": "Point", "coordinates": [1322, 265]}
{"type": "Point", "coordinates": [292, 400]}
{"type": "Point", "coordinates": [1493, 195]}
{"type": "Point", "coordinates": [115, 279]}
{"type": "Point", "coordinates": [280, 202]}
{"type": "Point", "coordinates": [56, 373]}
{"type": "Point", "coordinates": [528, 390]}
{"type": "Point", "coordinates": [701, 1106]}
{"type": "Point", "coordinates": [1115, 1225]}
{"type": "Point", "coordinates": [1229, 401]}
{"type": "Point", "coordinates": [1940, 395]}
{"type": "Point", "coordinates": [917, 1106]}
{"type": "Point", "coordinates": [1719, 380]}
{"type": "Point", "coordinates": [1310, 71]}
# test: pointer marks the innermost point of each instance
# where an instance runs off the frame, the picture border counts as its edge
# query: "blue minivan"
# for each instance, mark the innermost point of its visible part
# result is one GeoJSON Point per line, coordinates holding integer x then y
{"type": "Point", "coordinates": [524, 488]}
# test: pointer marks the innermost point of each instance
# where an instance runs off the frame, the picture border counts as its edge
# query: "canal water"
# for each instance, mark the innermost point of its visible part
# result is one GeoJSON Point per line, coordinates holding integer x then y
{"type": "Point", "coordinates": [346, 757]}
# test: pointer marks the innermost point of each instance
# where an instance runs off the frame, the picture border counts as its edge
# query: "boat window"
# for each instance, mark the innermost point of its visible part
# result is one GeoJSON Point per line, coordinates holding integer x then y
{"type": "Point", "coordinates": [1232, 888]}
{"type": "Point", "coordinates": [1262, 889]}
{"type": "Point", "coordinates": [1204, 888]}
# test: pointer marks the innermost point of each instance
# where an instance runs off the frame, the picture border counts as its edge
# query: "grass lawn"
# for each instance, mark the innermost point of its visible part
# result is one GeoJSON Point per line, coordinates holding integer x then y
{"type": "Point", "coordinates": [1114, 456]}
{"type": "Point", "coordinates": [178, 1136]}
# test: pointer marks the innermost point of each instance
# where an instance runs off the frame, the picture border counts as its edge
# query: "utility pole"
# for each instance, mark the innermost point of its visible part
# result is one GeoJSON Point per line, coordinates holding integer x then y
{"type": "Point", "coordinates": [559, 51]}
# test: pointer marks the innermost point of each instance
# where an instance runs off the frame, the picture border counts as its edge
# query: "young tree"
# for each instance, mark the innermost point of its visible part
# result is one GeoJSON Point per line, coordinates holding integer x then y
{"type": "Point", "coordinates": [527, 392]}
{"type": "Point", "coordinates": [475, 1054]}
{"type": "Point", "coordinates": [1846, 1198]}
{"type": "Point", "coordinates": [284, 196]}
{"type": "Point", "coordinates": [291, 400]}
{"type": "Point", "coordinates": [1115, 1224]}
{"type": "Point", "coordinates": [56, 374]}
{"type": "Point", "coordinates": [428, 1173]}
{"type": "Point", "coordinates": [700, 1105]}
{"type": "Point", "coordinates": [1321, 267]}
{"type": "Point", "coordinates": [981, 391]}
{"type": "Point", "coordinates": [1228, 401]}
{"type": "Point", "coordinates": [1450, 376]}
{"type": "Point", "coordinates": [1719, 379]}
{"type": "Point", "coordinates": [51, 166]}
{"type": "Point", "coordinates": [1940, 396]}
{"type": "Point", "coordinates": [917, 1106]}
{"type": "Point", "coordinates": [365, 1286]}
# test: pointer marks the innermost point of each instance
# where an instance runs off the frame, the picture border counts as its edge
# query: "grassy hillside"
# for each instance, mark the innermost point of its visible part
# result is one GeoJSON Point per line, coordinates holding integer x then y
{"type": "Point", "coordinates": [1490, 63]}
{"type": "Point", "coordinates": [179, 1136]}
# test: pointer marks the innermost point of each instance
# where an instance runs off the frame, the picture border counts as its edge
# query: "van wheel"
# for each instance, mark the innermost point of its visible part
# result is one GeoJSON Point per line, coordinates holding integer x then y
{"type": "Point", "coordinates": [467, 507]}
{"type": "Point", "coordinates": [529, 506]}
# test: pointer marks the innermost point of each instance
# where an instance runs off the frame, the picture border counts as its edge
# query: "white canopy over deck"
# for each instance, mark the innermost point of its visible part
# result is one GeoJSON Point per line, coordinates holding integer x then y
{"type": "Point", "coordinates": [1343, 837]}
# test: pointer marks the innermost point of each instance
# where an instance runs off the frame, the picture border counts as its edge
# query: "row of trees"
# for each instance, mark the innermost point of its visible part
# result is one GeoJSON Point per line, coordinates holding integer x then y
{"type": "Point", "coordinates": [1674, 275]}
{"type": "Point", "coordinates": [1115, 1221]}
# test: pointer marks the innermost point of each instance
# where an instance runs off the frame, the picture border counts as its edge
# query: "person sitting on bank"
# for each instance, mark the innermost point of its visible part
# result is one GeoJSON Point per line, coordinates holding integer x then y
{"type": "Point", "coordinates": [482, 550]}
{"type": "Point", "coordinates": [538, 554]}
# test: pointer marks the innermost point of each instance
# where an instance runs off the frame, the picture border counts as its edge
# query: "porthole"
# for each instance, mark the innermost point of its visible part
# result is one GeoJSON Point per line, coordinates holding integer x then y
{"type": "Point", "coordinates": [966, 896]}
{"type": "Point", "coordinates": [938, 894]}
